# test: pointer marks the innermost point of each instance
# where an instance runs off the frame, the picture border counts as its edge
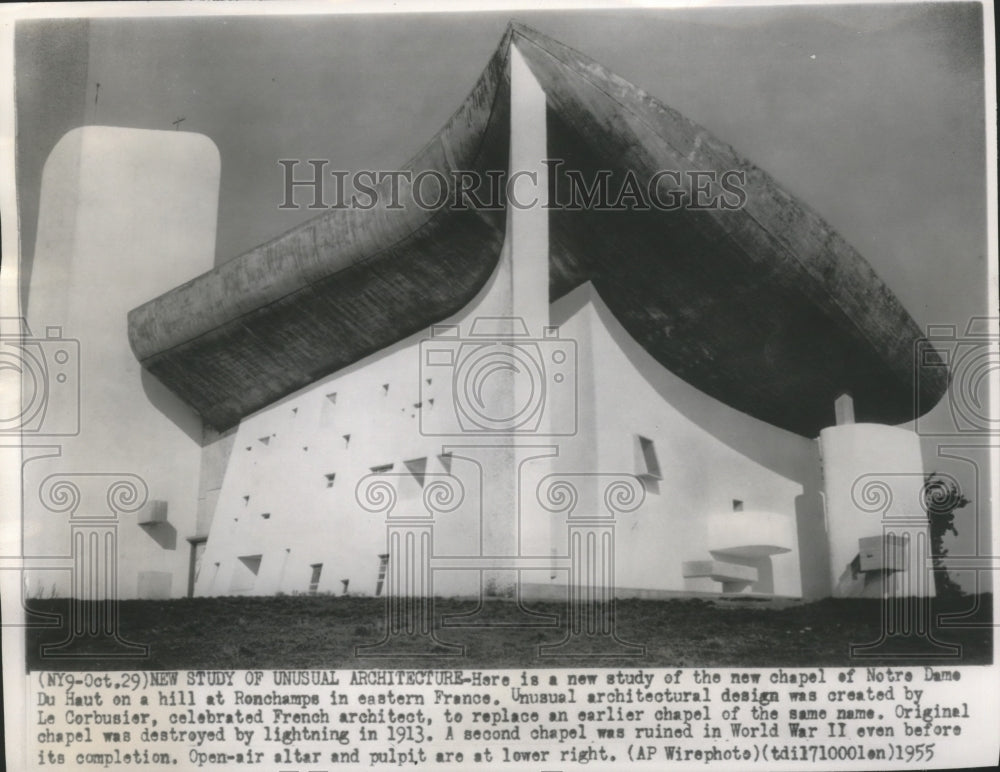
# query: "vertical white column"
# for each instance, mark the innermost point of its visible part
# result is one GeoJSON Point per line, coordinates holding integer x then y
{"type": "Point", "coordinates": [519, 295]}
{"type": "Point", "coordinates": [874, 478]}
{"type": "Point", "coordinates": [124, 215]}
{"type": "Point", "coordinates": [527, 215]}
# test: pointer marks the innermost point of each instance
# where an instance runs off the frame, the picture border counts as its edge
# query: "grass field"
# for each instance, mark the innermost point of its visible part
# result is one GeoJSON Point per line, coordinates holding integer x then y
{"type": "Point", "coordinates": [323, 631]}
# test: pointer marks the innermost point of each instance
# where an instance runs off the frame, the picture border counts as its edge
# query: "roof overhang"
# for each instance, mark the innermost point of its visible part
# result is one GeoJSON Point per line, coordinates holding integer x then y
{"type": "Point", "coordinates": [763, 306]}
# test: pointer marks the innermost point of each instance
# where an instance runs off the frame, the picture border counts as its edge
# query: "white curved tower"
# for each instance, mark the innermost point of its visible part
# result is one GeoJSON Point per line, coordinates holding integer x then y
{"type": "Point", "coordinates": [873, 479]}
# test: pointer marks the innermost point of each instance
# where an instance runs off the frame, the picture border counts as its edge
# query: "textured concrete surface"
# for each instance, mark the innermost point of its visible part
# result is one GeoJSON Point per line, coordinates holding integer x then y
{"type": "Point", "coordinates": [106, 193]}
{"type": "Point", "coordinates": [763, 307]}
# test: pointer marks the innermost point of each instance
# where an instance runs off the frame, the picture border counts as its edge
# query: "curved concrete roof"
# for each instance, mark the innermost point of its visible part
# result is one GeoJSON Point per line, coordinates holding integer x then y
{"type": "Point", "coordinates": [764, 307]}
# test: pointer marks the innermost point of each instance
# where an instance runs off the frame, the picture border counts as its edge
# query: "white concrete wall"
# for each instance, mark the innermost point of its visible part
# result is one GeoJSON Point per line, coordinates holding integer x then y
{"type": "Point", "coordinates": [278, 466]}
{"type": "Point", "coordinates": [709, 453]}
{"type": "Point", "coordinates": [873, 479]}
{"type": "Point", "coordinates": [392, 414]}
{"type": "Point", "coordinates": [596, 401]}
{"type": "Point", "coordinates": [124, 214]}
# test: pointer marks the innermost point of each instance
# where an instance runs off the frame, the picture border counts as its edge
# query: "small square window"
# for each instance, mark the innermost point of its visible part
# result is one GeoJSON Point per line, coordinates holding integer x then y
{"type": "Point", "coordinates": [330, 478]}
{"type": "Point", "coordinates": [737, 505]}
{"type": "Point", "coordinates": [383, 569]}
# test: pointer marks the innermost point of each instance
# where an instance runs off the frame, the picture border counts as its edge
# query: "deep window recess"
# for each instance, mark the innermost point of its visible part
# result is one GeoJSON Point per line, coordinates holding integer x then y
{"type": "Point", "coordinates": [317, 569]}
{"type": "Point", "coordinates": [647, 462]}
{"type": "Point", "coordinates": [383, 569]}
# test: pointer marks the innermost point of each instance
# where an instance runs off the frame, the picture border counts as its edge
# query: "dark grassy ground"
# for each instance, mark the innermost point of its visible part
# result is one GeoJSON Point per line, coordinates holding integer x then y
{"type": "Point", "coordinates": [322, 632]}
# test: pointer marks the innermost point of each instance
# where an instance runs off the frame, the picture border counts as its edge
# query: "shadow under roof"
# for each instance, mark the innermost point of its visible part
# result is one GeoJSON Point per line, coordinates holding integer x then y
{"type": "Point", "coordinates": [763, 307]}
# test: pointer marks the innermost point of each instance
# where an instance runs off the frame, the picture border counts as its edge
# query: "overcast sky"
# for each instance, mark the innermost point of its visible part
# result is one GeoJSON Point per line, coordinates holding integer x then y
{"type": "Point", "coordinates": [871, 115]}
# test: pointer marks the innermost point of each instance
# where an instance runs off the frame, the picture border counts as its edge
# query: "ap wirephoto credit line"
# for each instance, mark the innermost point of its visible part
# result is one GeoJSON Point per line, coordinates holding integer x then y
{"type": "Point", "coordinates": [492, 387]}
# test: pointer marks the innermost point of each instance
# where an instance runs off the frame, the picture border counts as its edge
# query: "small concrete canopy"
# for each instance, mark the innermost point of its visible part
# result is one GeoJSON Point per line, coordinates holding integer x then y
{"type": "Point", "coordinates": [762, 306]}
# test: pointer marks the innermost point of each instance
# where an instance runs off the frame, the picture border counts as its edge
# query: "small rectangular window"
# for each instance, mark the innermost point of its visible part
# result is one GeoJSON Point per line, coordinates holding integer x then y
{"type": "Point", "coordinates": [330, 478]}
{"type": "Point", "coordinates": [383, 569]}
{"type": "Point", "coordinates": [317, 569]}
{"type": "Point", "coordinates": [646, 460]}
{"type": "Point", "coordinates": [737, 505]}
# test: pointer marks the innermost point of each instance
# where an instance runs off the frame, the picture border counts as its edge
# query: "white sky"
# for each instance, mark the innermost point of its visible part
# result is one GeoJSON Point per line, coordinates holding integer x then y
{"type": "Point", "coordinates": [871, 115]}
